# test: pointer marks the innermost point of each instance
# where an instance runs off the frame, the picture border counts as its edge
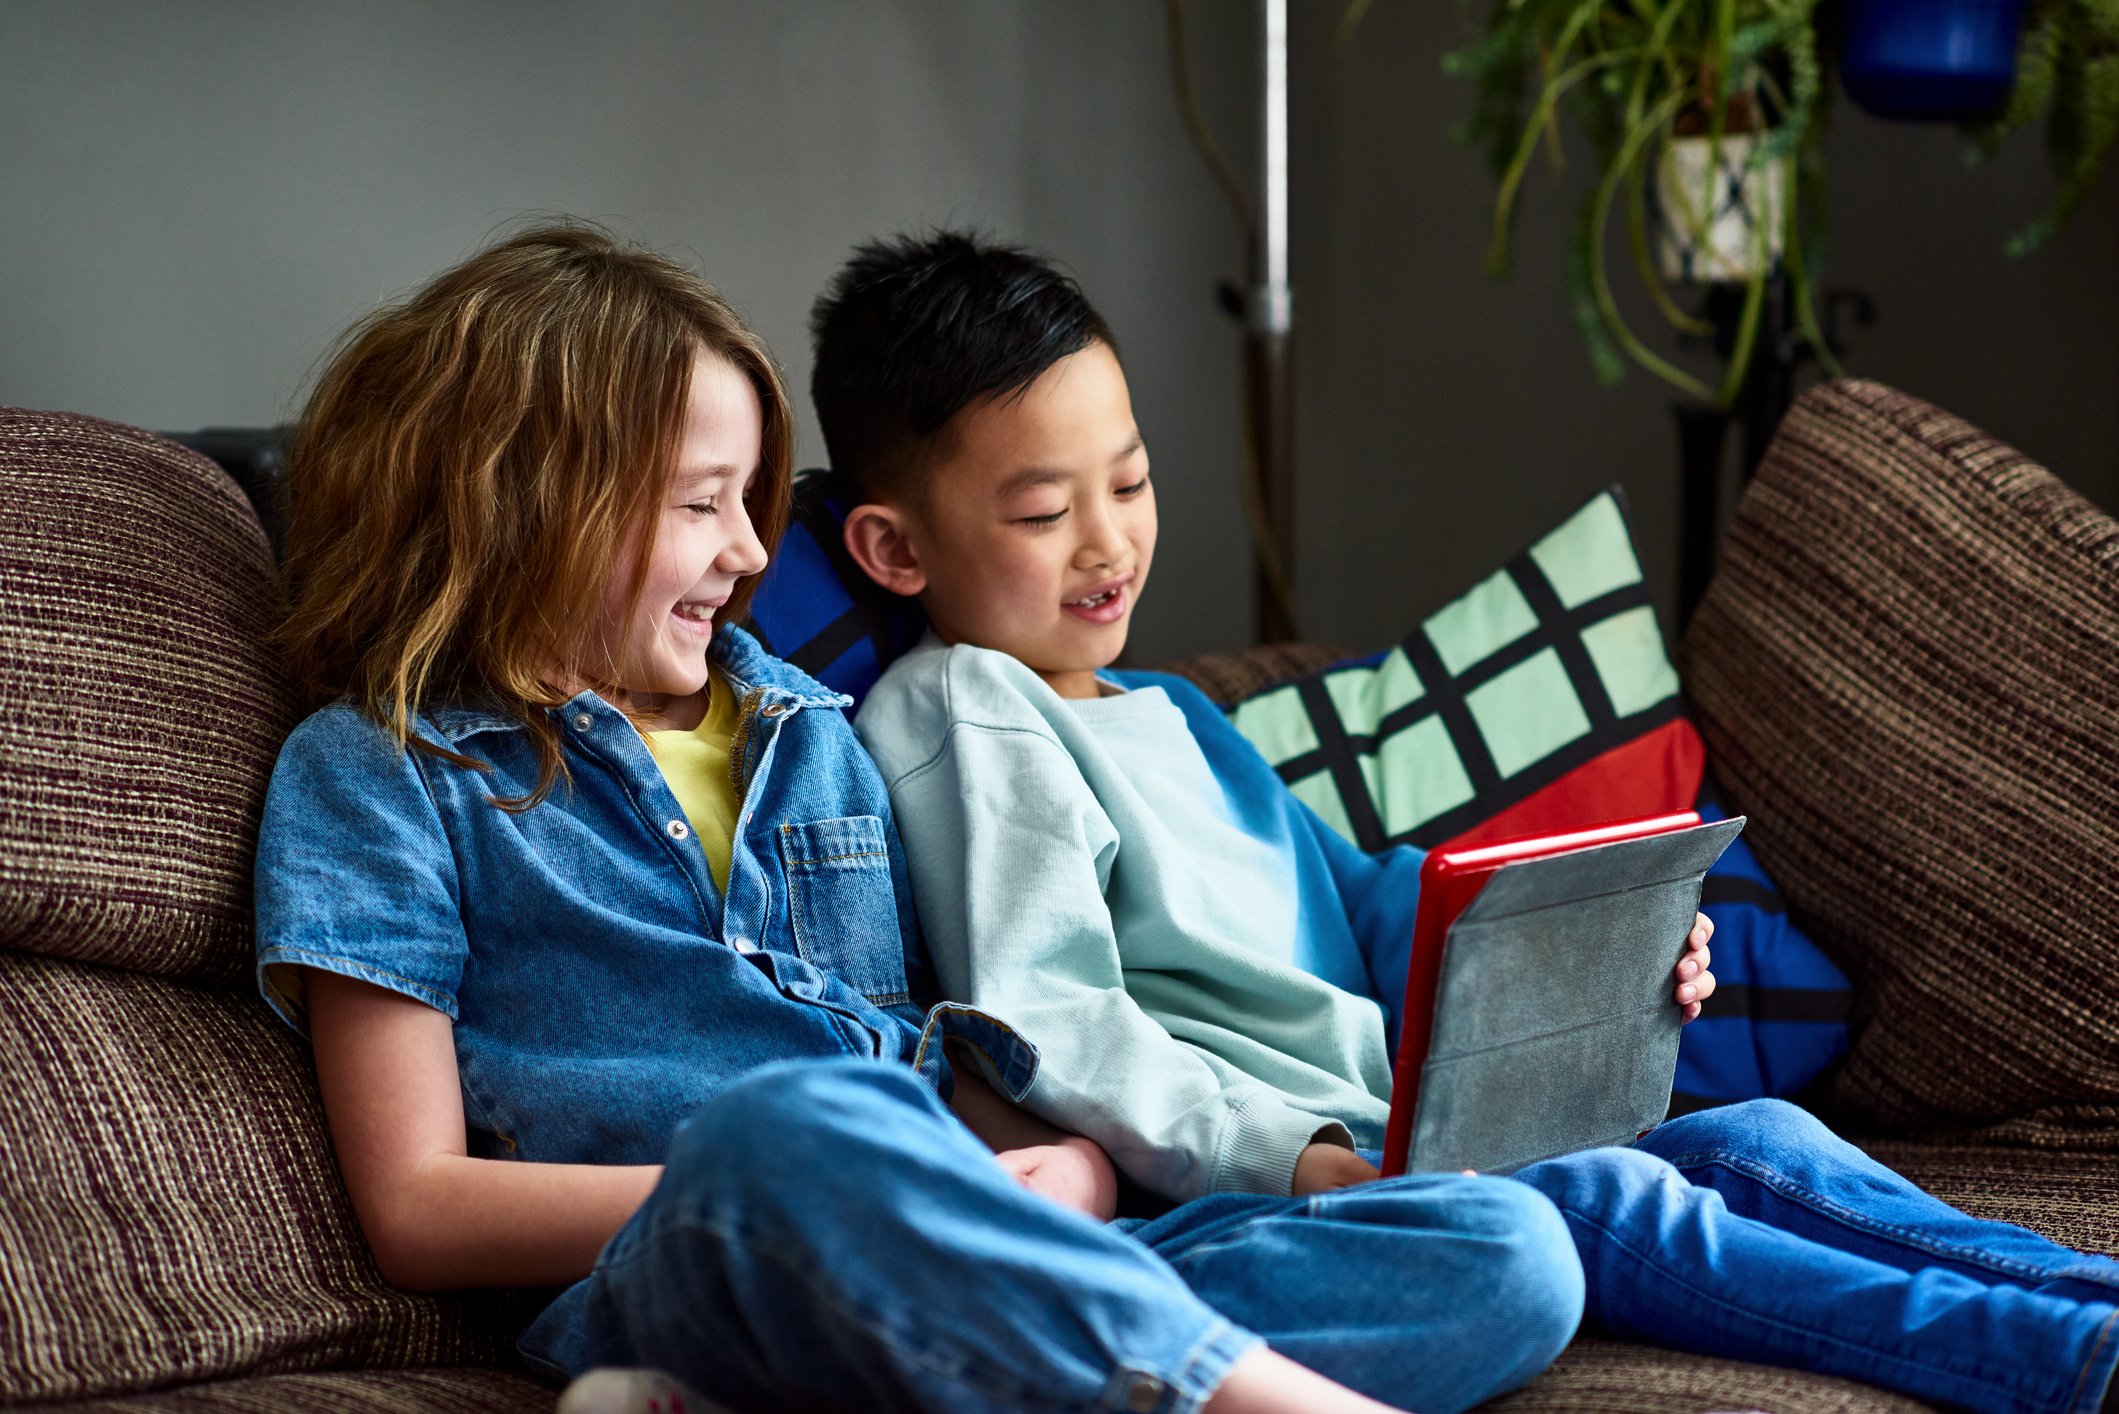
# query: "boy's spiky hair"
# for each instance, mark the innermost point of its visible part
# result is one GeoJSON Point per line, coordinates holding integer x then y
{"type": "Point", "coordinates": [914, 330]}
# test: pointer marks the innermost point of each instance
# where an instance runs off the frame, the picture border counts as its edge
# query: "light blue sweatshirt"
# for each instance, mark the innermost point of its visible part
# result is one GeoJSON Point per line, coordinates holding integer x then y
{"type": "Point", "coordinates": [1127, 883]}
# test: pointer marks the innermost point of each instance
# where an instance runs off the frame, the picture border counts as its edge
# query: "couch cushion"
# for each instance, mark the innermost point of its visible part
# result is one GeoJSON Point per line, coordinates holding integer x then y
{"type": "Point", "coordinates": [1595, 1376]}
{"type": "Point", "coordinates": [1907, 672]}
{"type": "Point", "coordinates": [2073, 1198]}
{"type": "Point", "coordinates": [139, 709]}
{"type": "Point", "coordinates": [391, 1392]}
{"type": "Point", "coordinates": [169, 1206]}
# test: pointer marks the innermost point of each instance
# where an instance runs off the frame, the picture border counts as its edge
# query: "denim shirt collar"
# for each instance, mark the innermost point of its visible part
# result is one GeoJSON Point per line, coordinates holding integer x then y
{"type": "Point", "coordinates": [747, 666]}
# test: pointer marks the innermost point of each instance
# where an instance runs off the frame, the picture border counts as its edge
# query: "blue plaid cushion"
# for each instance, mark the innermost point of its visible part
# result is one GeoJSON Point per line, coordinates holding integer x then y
{"type": "Point", "coordinates": [818, 610]}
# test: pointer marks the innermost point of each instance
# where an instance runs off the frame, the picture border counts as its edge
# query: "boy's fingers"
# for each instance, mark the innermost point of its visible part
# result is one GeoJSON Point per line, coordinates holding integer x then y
{"type": "Point", "coordinates": [1698, 990]}
{"type": "Point", "coordinates": [1691, 1013]}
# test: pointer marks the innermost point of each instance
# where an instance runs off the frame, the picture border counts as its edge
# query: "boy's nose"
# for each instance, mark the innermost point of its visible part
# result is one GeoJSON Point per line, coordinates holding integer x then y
{"type": "Point", "coordinates": [1101, 546]}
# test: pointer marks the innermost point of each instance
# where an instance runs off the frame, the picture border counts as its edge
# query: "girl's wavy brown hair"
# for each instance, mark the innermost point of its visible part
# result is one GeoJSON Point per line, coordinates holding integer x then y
{"type": "Point", "coordinates": [464, 477]}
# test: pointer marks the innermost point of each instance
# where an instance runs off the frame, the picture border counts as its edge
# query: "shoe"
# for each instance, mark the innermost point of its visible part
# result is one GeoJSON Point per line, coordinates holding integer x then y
{"type": "Point", "coordinates": [611, 1390]}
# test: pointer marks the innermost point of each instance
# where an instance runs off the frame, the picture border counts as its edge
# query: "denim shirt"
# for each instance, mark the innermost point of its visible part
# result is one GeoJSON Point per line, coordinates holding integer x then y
{"type": "Point", "coordinates": [601, 986]}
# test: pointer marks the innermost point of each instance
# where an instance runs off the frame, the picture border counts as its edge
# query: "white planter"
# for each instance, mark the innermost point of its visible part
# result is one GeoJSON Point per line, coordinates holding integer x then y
{"type": "Point", "coordinates": [1708, 223]}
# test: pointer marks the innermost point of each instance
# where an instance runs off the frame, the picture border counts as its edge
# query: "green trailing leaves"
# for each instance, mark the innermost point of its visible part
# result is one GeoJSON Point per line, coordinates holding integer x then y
{"type": "Point", "coordinates": [2067, 72]}
{"type": "Point", "coordinates": [1622, 77]}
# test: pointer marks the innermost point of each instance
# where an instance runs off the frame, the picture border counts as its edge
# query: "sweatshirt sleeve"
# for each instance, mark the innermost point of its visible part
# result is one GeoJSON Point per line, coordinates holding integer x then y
{"type": "Point", "coordinates": [1009, 853]}
{"type": "Point", "coordinates": [1381, 893]}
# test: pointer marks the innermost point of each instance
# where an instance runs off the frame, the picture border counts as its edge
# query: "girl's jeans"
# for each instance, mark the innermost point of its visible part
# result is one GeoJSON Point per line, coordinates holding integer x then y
{"type": "Point", "coordinates": [1753, 1232]}
{"type": "Point", "coordinates": [827, 1236]}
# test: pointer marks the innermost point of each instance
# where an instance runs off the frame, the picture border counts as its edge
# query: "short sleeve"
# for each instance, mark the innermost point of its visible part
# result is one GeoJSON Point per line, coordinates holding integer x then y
{"type": "Point", "coordinates": [355, 874]}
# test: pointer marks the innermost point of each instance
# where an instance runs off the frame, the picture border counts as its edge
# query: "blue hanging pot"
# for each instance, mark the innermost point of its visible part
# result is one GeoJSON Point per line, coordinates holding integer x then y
{"type": "Point", "coordinates": [1931, 59]}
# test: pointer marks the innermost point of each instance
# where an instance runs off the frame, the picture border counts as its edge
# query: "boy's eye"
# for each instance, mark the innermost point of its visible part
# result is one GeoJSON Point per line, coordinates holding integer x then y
{"type": "Point", "coordinates": [1052, 519]}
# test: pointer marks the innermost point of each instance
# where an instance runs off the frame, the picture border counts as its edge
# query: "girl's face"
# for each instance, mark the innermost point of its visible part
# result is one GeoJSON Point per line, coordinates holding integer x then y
{"type": "Point", "coordinates": [704, 543]}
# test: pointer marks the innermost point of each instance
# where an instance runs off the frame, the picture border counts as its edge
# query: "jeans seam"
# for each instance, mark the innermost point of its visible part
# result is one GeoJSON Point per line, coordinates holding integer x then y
{"type": "Point", "coordinates": [2012, 1388]}
{"type": "Point", "coordinates": [2023, 1273]}
{"type": "Point", "coordinates": [2103, 1335]}
{"type": "Point", "coordinates": [960, 1372]}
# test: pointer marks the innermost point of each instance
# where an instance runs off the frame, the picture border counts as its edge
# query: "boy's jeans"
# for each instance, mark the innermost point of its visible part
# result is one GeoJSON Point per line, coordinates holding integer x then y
{"type": "Point", "coordinates": [827, 1236]}
{"type": "Point", "coordinates": [1755, 1233]}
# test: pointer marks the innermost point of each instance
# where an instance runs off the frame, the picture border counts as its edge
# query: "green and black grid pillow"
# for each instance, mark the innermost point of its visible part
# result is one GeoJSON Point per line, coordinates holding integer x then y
{"type": "Point", "coordinates": [1542, 668]}
{"type": "Point", "coordinates": [1542, 700]}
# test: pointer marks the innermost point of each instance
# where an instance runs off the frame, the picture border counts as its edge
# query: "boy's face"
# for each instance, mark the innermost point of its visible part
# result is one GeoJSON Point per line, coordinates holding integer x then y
{"type": "Point", "coordinates": [1036, 525]}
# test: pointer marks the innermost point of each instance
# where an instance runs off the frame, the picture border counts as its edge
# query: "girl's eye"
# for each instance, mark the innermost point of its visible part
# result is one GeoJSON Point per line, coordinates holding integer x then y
{"type": "Point", "coordinates": [704, 508]}
{"type": "Point", "coordinates": [1135, 489]}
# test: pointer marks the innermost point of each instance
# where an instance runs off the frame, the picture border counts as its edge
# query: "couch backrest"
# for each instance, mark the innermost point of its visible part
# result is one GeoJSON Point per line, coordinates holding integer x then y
{"type": "Point", "coordinates": [1907, 673]}
{"type": "Point", "coordinates": [169, 1206]}
{"type": "Point", "coordinates": [139, 709]}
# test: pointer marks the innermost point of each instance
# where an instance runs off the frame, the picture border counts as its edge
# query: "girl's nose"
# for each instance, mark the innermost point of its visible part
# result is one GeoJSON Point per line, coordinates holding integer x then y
{"type": "Point", "coordinates": [745, 552]}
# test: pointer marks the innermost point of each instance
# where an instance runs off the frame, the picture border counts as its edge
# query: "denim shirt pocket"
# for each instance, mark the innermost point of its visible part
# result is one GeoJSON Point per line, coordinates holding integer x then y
{"type": "Point", "coordinates": [841, 904]}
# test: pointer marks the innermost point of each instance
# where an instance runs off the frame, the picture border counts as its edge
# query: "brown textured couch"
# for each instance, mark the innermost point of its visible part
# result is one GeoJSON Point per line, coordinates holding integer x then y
{"type": "Point", "coordinates": [1908, 671]}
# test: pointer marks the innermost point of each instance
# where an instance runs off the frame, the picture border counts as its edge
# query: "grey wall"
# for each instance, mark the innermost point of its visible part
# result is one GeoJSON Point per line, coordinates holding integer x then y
{"type": "Point", "coordinates": [194, 199]}
{"type": "Point", "coordinates": [1448, 419]}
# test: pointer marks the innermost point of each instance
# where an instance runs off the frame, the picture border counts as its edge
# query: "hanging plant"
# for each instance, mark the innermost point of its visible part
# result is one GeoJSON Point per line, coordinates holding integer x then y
{"type": "Point", "coordinates": [1704, 117]}
{"type": "Point", "coordinates": [2067, 72]}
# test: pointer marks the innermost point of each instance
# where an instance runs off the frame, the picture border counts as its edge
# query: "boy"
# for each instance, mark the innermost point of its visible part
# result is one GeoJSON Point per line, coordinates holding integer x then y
{"type": "Point", "coordinates": [1114, 874]}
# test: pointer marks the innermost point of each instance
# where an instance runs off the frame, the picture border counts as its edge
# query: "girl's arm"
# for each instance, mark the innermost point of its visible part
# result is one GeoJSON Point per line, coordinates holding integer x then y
{"type": "Point", "coordinates": [436, 1218]}
{"type": "Point", "coordinates": [1070, 1170]}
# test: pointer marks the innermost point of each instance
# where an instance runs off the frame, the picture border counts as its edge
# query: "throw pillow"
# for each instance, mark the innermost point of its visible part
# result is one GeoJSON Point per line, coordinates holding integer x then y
{"type": "Point", "coordinates": [140, 709]}
{"type": "Point", "coordinates": [1907, 668]}
{"type": "Point", "coordinates": [1543, 699]}
{"type": "Point", "coordinates": [817, 609]}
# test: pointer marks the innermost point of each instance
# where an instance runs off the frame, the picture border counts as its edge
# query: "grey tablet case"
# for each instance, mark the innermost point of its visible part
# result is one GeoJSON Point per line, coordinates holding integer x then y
{"type": "Point", "coordinates": [1555, 1028]}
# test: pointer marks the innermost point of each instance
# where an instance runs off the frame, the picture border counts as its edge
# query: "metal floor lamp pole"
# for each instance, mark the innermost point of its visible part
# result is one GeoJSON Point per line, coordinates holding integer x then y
{"type": "Point", "coordinates": [1268, 361]}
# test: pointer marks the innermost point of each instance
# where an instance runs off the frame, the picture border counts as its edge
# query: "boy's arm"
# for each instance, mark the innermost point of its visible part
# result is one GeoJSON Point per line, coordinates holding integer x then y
{"type": "Point", "coordinates": [435, 1218]}
{"type": "Point", "coordinates": [1007, 848]}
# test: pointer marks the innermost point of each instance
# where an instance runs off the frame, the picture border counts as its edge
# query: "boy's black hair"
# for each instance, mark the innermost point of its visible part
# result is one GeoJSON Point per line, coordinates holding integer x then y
{"type": "Point", "coordinates": [914, 330]}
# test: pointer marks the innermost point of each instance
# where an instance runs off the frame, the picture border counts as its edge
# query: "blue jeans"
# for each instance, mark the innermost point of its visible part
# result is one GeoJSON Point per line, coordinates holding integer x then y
{"type": "Point", "coordinates": [827, 1236]}
{"type": "Point", "coordinates": [1754, 1233]}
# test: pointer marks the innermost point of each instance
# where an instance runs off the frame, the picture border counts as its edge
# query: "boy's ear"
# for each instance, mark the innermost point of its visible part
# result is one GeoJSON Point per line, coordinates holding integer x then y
{"type": "Point", "coordinates": [876, 538]}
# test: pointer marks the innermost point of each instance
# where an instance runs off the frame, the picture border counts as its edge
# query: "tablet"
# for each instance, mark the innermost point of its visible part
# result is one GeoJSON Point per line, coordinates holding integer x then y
{"type": "Point", "coordinates": [1539, 1016]}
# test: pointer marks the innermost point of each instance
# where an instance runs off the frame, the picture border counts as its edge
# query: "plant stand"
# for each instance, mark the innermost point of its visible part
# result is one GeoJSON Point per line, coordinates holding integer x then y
{"type": "Point", "coordinates": [1703, 429]}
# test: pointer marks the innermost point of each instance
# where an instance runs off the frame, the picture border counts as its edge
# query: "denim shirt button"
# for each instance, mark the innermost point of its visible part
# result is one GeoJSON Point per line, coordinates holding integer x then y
{"type": "Point", "coordinates": [583, 721]}
{"type": "Point", "coordinates": [1144, 1394]}
{"type": "Point", "coordinates": [772, 709]}
{"type": "Point", "coordinates": [744, 945]}
{"type": "Point", "coordinates": [677, 830]}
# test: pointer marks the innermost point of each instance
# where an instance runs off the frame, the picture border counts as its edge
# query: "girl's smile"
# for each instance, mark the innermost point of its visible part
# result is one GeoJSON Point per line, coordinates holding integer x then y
{"type": "Point", "coordinates": [704, 543]}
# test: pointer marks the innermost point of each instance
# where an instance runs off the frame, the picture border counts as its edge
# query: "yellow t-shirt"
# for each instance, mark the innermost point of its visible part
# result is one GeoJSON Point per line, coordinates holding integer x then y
{"type": "Point", "coordinates": [695, 763]}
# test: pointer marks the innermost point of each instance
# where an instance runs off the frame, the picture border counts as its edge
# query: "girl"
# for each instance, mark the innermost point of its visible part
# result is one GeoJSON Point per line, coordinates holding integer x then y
{"type": "Point", "coordinates": [596, 918]}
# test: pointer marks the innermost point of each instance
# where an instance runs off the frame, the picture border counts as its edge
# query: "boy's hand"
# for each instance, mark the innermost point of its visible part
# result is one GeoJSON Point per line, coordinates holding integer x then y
{"type": "Point", "coordinates": [1695, 982]}
{"type": "Point", "coordinates": [1073, 1172]}
{"type": "Point", "coordinates": [1327, 1166]}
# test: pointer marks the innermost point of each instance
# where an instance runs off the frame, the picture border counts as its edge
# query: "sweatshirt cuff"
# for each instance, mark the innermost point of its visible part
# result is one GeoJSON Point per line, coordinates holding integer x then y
{"type": "Point", "coordinates": [1266, 1137]}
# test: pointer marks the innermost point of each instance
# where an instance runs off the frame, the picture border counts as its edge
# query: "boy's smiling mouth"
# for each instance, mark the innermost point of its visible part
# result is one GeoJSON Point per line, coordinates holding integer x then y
{"type": "Point", "coordinates": [1104, 604]}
